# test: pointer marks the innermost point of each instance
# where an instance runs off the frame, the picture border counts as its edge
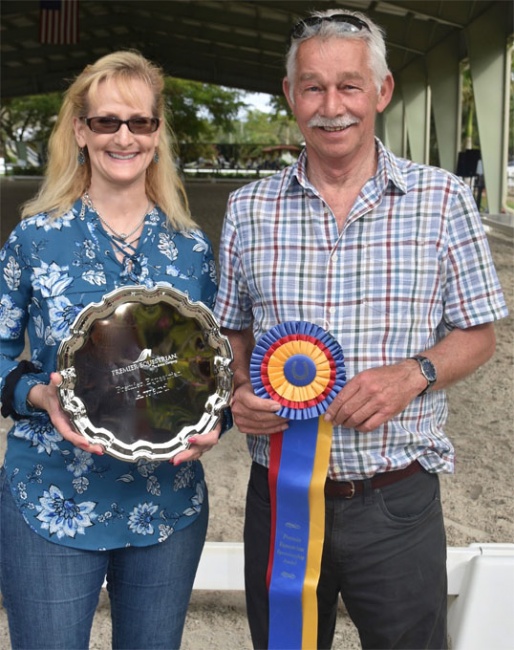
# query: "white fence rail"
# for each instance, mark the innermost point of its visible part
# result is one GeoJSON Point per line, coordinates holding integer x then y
{"type": "Point", "coordinates": [480, 586]}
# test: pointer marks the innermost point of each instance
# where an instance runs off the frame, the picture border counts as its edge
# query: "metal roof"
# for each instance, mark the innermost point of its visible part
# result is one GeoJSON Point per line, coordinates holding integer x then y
{"type": "Point", "coordinates": [237, 44]}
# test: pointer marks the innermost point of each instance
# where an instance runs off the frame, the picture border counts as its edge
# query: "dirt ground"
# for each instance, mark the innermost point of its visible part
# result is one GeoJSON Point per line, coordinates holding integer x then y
{"type": "Point", "coordinates": [477, 500]}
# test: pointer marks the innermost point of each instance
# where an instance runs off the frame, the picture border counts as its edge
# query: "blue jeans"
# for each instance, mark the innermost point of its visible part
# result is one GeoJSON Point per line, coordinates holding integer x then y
{"type": "Point", "coordinates": [51, 591]}
{"type": "Point", "coordinates": [384, 555]}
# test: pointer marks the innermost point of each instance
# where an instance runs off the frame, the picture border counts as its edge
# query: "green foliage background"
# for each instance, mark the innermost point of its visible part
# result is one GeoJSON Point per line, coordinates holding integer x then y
{"type": "Point", "coordinates": [203, 116]}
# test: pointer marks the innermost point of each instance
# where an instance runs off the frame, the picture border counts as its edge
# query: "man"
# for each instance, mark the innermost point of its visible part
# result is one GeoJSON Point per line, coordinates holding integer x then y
{"type": "Point", "coordinates": [391, 259]}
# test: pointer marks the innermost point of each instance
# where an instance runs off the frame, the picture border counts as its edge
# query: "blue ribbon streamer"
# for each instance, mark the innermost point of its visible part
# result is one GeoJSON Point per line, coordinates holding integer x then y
{"type": "Point", "coordinates": [292, 535]}
{"type": "Point", "coordinates": [292, 520]}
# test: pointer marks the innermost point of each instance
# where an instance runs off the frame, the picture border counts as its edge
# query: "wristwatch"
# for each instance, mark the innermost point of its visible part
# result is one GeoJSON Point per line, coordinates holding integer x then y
{"type": "Point", "coordinates": [427, 370]}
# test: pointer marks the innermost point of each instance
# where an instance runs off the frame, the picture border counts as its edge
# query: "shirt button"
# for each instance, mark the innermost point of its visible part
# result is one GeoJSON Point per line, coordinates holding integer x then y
{"type": "Point", "coordinates": [335, 257]}
{"type": "Point", "coordinates": [332, 310]}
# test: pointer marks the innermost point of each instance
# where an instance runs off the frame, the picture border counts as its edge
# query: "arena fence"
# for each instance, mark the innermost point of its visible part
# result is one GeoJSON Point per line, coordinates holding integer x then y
{"type": "Point", "coordinates": [480, 590]}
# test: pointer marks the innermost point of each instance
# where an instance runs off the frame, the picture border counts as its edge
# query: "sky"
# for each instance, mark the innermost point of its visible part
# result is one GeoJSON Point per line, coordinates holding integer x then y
{"type": "Point", "coordinates": [258, 101]}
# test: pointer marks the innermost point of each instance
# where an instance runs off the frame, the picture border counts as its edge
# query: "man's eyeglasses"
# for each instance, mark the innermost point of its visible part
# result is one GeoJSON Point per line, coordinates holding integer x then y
{"type": "Point", "coordinates": [136, 125]}
{"type": "Point", "coordinates": [347, 22]}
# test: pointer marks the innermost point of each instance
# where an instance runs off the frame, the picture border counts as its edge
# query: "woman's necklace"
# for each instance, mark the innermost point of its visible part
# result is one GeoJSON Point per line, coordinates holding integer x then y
{"type": "Point", "coordinates": [119, 237]}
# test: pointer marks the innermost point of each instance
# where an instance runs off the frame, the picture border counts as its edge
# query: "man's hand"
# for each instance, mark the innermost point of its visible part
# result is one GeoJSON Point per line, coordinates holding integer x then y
{"type": "Point", "coordinates": [374, 396]}
{"type": "Point", "coordinates": [255, 415]}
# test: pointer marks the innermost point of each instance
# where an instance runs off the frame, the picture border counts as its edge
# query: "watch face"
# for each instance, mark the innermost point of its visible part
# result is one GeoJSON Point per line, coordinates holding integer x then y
{"type": "Point", "coordinates": [428, 370]}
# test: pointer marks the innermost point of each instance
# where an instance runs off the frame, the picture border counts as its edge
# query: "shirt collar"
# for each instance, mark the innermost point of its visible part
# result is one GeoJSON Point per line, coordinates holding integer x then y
{"type": "Point", "coordinates": [388, 171]}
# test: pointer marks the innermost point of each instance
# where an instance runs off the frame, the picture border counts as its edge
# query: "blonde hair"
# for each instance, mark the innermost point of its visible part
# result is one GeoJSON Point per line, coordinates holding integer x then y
{"type": "Point", "coordinates": [66, 180]}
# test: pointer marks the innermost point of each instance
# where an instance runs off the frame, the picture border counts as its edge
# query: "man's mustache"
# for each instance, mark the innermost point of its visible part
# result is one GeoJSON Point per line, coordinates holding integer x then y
{"type": "Point", "coordinates": [341, 122]}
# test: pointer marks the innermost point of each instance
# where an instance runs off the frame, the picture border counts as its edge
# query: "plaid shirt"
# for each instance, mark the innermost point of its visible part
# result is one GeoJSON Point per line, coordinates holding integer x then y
{"type": "Point", "coordinates": [412, 262]}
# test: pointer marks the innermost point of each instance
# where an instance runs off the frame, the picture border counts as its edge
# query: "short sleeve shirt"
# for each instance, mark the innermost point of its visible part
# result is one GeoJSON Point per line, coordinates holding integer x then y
{"type": "Point", "coordinates": [411, 263]}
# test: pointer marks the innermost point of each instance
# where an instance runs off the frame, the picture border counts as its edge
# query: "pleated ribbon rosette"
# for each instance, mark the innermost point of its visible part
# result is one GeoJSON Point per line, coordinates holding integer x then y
{"type": "Point", "coordinates": [300, 366]}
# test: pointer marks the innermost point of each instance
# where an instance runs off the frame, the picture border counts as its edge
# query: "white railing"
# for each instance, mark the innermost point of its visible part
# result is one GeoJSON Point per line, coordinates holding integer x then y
{"type": "Point", "coordinates": [480, 587]}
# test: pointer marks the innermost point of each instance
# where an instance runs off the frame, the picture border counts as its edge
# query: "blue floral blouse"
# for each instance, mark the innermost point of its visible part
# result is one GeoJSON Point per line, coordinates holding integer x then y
{"type": "Point", "coordinates": [50, 270]}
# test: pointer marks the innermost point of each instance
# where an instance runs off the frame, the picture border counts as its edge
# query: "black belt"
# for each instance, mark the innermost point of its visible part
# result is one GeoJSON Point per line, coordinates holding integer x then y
{"type": "Point", "coordinates": [349, 489]}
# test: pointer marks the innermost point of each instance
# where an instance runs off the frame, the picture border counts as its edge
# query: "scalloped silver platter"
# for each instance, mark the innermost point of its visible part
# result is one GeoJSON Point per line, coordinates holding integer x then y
{"type": "Point", "coordinates": [143, 370]}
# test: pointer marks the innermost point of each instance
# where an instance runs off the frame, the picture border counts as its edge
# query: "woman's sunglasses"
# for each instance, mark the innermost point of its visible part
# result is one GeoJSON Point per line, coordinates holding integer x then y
{"type": "Point", "coordinates": [136, 125]}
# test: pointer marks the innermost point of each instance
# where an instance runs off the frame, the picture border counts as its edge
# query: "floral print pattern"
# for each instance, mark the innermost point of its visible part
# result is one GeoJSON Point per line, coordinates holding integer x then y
{"type": "Point", "coordinates": [61, 516]}
{"type": "Point", "coordinates": [10, 318]}
{"type": "Point", "coordinates": [50, 270]}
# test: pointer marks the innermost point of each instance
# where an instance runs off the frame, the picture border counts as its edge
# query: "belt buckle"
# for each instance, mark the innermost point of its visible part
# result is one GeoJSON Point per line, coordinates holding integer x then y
{"type": "Point", "coordinates": [352, 490]}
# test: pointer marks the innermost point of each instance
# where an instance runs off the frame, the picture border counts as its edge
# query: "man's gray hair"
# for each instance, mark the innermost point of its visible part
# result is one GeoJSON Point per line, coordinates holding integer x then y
{"type": "Point", "coordinates": [329, 29]}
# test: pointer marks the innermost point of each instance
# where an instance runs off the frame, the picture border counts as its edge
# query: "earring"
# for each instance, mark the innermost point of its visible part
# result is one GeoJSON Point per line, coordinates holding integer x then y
{"type": "Point", "coordinates": [81, 158]}
{"type": "Point", "coordinates": [156, 157]}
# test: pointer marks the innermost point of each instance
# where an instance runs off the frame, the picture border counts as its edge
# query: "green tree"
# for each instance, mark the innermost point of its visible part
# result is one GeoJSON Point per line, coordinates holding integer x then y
{"type": "Point", "coordinates": [269, 128]}
{"type": "Point", "coordinates": [198, 109]}
{"type": "Point", "coordinates": [25, 119]}
{"type": "Point", "coordinates": [470, 135]}
{"type": "Point", "coordinates": [511, 106]}
{"type": "Point", "coordinates": [280, 106]}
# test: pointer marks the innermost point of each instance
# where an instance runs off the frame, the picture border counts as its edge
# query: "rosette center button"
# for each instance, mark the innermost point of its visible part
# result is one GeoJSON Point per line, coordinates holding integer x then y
{"type": "Point", "coordinates": [300, 370]}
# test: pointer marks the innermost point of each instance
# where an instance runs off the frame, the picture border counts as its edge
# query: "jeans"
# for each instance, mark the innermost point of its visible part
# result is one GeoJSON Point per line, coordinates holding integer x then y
{"type": "Point", "coordinates": [384, 554]}
{"type": "Point", "coordinates": [51, 591]}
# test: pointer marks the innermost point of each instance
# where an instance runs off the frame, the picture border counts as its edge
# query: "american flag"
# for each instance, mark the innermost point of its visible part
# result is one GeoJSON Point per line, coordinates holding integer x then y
{"type": "Point", "coordinates": [59, 22]}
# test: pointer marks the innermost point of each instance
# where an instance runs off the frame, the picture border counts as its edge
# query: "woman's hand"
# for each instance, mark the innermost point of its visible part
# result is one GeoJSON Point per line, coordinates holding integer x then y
{"type": "Point", "coordinates": [44, 397]}
{"type": "Point", "coordinates": [199, 444]}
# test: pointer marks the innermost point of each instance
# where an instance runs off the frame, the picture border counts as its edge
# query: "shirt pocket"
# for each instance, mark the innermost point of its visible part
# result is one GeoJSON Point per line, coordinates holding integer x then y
{"type": "Point", "coordinates": [400, 278]}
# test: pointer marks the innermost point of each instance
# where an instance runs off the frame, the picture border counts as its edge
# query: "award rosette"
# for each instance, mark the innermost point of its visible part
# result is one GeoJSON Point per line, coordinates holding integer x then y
{"type": "Point", "coordinates": [301, 366]}
{"type": "Point", "coordinates": [143, 370]}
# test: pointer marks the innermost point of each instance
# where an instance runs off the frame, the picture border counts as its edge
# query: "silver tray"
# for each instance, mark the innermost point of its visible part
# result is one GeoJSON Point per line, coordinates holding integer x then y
{"type": "Point", "coordinates": [143, 370]}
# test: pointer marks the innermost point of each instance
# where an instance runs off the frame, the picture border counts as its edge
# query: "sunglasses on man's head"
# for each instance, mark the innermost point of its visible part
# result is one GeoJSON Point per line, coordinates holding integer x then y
{"type": "Point", "coordinates": [136, 125]}
{"type": "Point", "coordinates": [347, 23]}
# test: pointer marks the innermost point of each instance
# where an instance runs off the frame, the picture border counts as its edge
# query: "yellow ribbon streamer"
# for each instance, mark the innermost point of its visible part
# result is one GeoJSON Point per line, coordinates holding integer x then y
{"type": "Point", "coordinates": [316, 536]}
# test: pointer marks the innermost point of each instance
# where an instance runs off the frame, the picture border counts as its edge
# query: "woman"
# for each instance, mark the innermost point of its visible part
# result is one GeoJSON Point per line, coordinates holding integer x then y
{"type": "Point", "coordinates": [111, 212]}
